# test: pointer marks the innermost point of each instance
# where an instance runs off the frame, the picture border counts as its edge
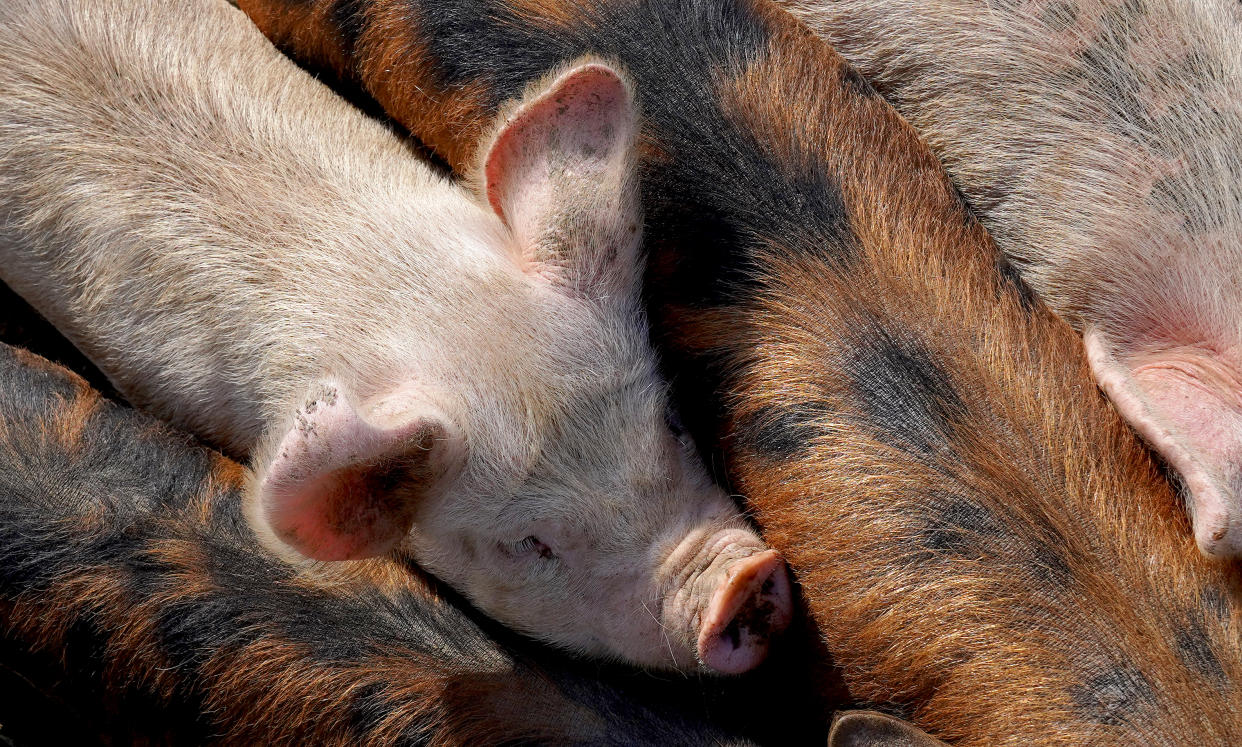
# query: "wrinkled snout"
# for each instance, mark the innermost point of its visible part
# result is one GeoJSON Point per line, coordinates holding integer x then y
{"type": "Point", "coordinates": [751, 604]}
{"type": "Point", "coordinates": [732, 599]}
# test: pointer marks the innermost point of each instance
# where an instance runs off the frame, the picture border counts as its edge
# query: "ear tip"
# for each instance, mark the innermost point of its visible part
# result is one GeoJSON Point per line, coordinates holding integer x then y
{"type": "Point", "coordinates": [600, 68]}
{"type": "Point", "coordinates": [1216, 524]}
{"type": "Point", "coordinates": [594, 68]}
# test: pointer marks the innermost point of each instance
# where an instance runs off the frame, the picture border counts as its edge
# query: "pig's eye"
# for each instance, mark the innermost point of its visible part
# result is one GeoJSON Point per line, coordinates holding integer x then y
{"type": "Point", "coordinates": [532, 545]}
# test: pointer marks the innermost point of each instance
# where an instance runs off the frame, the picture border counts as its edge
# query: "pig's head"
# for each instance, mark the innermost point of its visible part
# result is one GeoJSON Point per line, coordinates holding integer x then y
{"type": "Point", "coordinates": [554, 489]}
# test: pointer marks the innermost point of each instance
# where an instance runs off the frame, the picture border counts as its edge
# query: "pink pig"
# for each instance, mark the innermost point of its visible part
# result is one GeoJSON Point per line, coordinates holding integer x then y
{"type": "Point", "coordinates": [464, 377]}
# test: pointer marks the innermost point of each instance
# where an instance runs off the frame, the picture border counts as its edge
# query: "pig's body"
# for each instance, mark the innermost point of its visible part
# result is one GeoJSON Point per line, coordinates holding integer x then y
{"type": "Point", "coordinates": [980, 538]}
{"type": "Point", "coordinates": [1100, 141]}
{"type": "Point", "coordinates": [244, 254]}
{"type": "Point", "coordinates": [128, 566]}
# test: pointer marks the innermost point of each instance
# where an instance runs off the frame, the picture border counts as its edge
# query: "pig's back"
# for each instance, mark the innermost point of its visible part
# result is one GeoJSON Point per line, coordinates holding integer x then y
{"type": "Point", "coordinates": [1100, 141]}
{"type": "Point", "coordinates": [201, 218]}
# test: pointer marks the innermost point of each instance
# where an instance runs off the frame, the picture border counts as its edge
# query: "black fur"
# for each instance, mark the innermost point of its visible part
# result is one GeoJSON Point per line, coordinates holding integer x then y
{"type": "Point", "coordinates": [960, 527]}
{"type": "Point", "coordinates": [906, 396]}
{"type": "Point", "coordinates": [346, 16]}
{"type": "Point", "coordinates": [1050, 563]}
{"type": "Point", "coordinates": [1115, 697]}
{"type": "Point", "coordinates": [781, 433]}
{"type": "Point", "coordinates": [1195, 649]}
{"type": "Point", "coordinates": [367, 710]}
{"type": "Point", "coordinates": [1011, 281]}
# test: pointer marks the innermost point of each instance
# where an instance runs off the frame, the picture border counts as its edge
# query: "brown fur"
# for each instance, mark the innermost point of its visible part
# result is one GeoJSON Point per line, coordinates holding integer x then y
{"type": "Point", "coordinates": [1100, 141]}
{"type": "Point", "coordinates": [392, 51]}
{"type": "Point", "coordinates": [317, 30]}
{"type": "Point", "coordinates": [130, 573]}
{"type": "Point", "coordinates": [980, 539]}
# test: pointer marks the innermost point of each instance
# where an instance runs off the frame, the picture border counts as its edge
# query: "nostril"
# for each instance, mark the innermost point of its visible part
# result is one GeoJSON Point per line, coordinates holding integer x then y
{"type": "Point", "coordinates": [752, 605]}
{"type": "Point", "coordinates": [733, 634]}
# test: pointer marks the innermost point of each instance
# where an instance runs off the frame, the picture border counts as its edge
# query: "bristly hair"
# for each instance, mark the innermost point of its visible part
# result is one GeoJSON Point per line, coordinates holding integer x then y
{"type": "Point", "coordinates": [126, 569]}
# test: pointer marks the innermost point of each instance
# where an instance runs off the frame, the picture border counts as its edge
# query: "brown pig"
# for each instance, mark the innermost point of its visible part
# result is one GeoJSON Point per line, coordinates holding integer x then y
{"type": "Point", "coordinates": [982, 541]}
{"type": "Point", "coordinates": [465, 379]}
{"type": "Point", "coordinates": [1100, 141]}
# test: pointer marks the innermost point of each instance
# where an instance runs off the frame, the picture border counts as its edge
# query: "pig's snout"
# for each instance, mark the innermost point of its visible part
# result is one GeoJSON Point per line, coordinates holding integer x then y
{"type": "Point", "coordinates": [728, 596]}
{"type": "Point", "coordinates": [751, 605]}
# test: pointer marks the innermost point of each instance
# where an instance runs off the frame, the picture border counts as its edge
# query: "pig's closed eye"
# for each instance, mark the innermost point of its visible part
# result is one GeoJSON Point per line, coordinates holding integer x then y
{"type": "Point", "coordinates": [532, 545]}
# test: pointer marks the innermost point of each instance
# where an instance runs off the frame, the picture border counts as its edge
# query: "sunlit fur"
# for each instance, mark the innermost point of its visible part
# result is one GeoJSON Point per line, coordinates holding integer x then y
{"type": "Point", "coordinates": [146, 611]}
{"type": "Point", "coordinates": [219, 233]}
{"type": "Point", "coordinates": [1101, 143]}
{"type": "Point", "coordinates": [982, 542]}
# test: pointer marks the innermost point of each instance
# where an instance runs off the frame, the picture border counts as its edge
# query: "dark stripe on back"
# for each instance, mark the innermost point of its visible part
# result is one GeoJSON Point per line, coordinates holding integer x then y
{"type": "Point", "coordinates": [782, 432]}
{"type": "Point", "coordinates": [905, 395]}
{"type": "Point", "coordinates": [1114, 697]}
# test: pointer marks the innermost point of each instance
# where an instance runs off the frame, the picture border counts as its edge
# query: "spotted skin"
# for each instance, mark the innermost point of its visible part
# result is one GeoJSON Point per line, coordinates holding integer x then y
{"type": "Point", "coordinates": [135, 598]}
{"type": "Point", "coordinates": [982, 543]}
{"type": "Point", "coordinates": [1100, 141]}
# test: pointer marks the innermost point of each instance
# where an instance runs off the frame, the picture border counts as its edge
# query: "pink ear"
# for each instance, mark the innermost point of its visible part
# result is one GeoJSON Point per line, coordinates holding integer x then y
{"type": "Point", "coordinates": [566, 150]}
{"type": "Point", "coordinates": [1186, 401]}
{"type": "Point", "coordinates": [339, 487]}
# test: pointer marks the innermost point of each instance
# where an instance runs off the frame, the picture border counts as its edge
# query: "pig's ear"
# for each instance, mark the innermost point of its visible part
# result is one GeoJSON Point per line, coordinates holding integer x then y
{"type": "Point", "coordinates": [560, 172]}
{"type": "Point", "coordinates": [865, 728]}
{"type": "Point", "coordinates": [343, 483]}
{"type": "Point", "coordinates": [1186, 401]}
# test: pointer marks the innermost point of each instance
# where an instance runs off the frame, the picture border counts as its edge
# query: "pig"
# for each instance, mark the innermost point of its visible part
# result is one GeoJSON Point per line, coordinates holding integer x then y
{"type": "Point", "coordinates": [1100, 141]}
{"type": "Point", "coordinates": [464, 378]}
{"type": "Point", "coordinates": [127, 564]}
{"type": "Point", "coordinates": [984, 545]}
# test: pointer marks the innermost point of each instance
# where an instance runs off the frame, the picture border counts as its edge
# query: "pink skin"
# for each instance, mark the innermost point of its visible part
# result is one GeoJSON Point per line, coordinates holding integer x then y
{"type": "Point", "coordinates": [1188, 406]}
{"type": "Point", "coordinates": [753, 603]}
{"type": "Point", "coordinates": [730, 595]}
{"type": "Point", "coordinates": [593, 527]}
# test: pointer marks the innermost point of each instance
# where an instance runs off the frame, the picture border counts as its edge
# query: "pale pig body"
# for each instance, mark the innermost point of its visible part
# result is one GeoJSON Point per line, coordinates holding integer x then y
{"type": "Point", "coordinates": [248, 257]}
{"type": "Point", "coordinates": [1101, 143]}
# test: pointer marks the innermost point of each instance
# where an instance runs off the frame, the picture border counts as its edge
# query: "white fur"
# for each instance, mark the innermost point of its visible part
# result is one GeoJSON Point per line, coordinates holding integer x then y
{"type": "Point", "coordinates": [222, 235]}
